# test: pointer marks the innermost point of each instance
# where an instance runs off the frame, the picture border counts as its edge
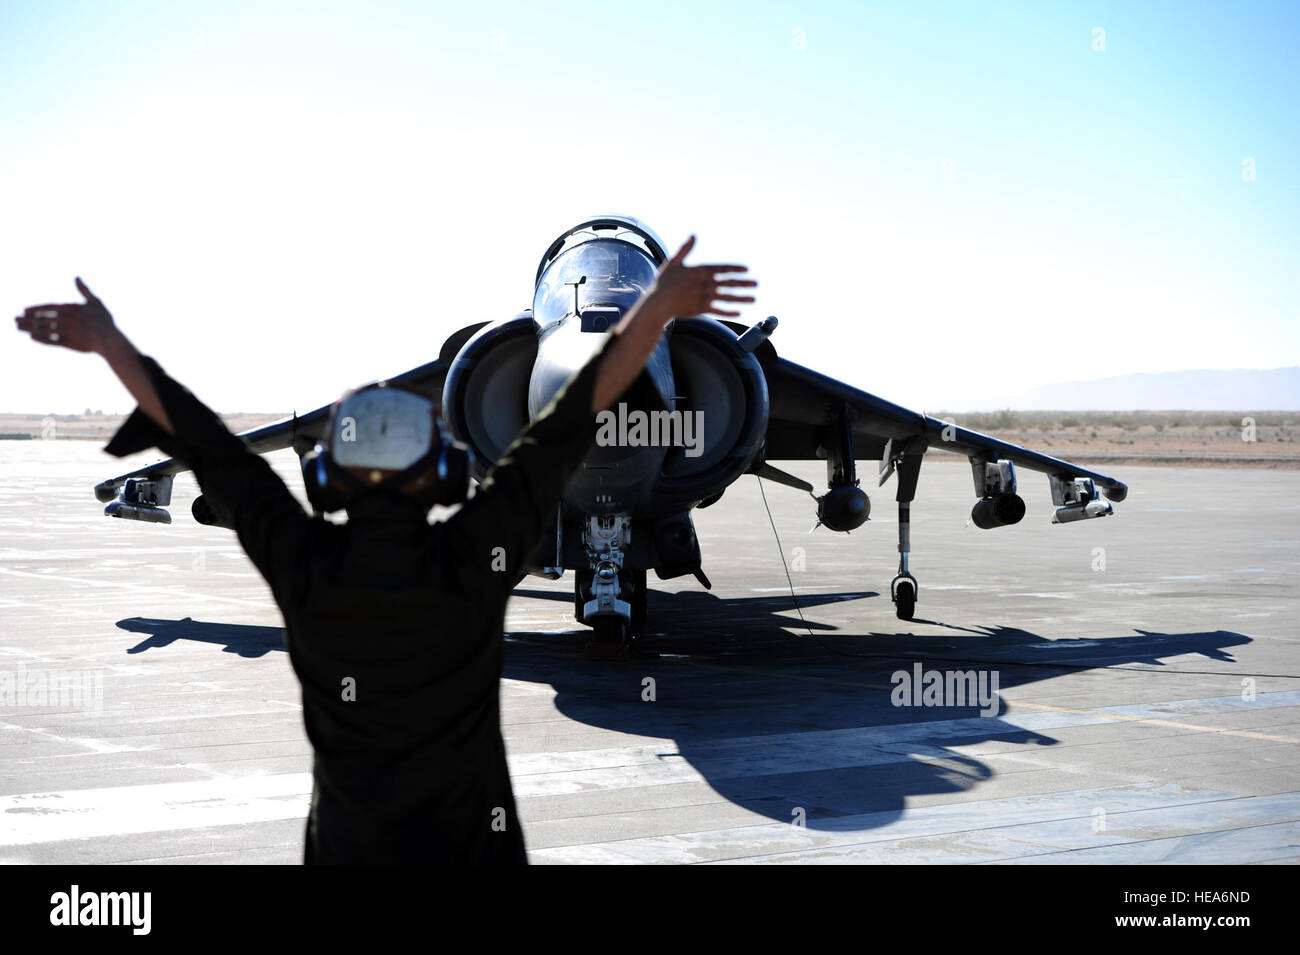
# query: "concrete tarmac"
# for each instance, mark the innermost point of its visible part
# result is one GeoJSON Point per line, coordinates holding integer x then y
{"type": "Point", "coordinates": [1141, 678]}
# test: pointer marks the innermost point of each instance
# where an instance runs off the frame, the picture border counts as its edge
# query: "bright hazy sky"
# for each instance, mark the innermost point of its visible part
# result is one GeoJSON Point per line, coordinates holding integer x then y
{"type": "Point", "coordinates": [941, 201]}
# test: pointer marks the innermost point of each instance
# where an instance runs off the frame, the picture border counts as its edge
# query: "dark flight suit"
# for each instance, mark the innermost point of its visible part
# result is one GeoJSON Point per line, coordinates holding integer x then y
{"type": "Point", "coordinates": [394, 628]}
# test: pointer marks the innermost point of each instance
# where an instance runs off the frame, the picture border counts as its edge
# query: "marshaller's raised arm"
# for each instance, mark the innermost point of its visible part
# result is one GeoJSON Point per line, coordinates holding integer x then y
{"type": "Point", "coordinates": [88, 327]}
{"type": "Point", "coordinates": [679, 290]}
{"type": "Point", "coordinates": [241, 488]}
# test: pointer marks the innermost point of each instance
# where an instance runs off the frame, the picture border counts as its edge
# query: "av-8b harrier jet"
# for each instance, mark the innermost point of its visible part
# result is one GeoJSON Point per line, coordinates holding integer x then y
{"type": "Point", "coordinates": [720, 403]}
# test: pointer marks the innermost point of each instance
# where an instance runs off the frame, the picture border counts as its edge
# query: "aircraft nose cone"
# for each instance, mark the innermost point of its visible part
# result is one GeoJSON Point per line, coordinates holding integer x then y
{"type": "Point", "coordinates": [562, 352]}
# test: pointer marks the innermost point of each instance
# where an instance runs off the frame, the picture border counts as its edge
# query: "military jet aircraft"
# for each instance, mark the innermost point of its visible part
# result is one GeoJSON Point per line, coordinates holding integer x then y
{"type": "Point", "coordinates": [720, 404]}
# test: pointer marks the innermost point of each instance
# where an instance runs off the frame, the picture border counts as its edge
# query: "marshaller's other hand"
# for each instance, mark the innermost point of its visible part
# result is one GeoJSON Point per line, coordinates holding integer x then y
{"type": "Point", "coordinates": [84, 326]}
{"type": "Point", "coordinates": [685, 290]}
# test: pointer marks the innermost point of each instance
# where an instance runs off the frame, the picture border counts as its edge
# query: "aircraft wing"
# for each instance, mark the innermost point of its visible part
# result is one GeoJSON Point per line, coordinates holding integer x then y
{"type": "Point", "coordinates": [300, 432]}
{"type": "Point", "coordinates": [808, 410]}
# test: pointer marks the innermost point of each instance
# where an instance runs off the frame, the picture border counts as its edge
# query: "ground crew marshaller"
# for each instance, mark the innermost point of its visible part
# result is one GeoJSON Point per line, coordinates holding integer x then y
{"type": "Point", "coordinates": [395, 625]}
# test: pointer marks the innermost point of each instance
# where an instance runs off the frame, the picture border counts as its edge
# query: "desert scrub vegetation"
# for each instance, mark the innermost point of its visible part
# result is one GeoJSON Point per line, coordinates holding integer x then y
{"type": "Point", "coordinates": [1008, 419]}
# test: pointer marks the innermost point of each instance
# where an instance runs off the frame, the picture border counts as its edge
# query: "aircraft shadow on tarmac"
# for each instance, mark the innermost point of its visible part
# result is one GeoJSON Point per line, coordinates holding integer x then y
{"type": "Point", "coordinates": [778, 721]}
{"type": "Point", "coordinates": [247, 641]}
{"type": "Point", "coordinates": [784, 723]}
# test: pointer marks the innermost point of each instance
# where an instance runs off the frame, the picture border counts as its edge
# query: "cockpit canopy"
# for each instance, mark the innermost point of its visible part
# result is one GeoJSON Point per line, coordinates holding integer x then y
{"type": "Point", "coordinates": [616, 274]}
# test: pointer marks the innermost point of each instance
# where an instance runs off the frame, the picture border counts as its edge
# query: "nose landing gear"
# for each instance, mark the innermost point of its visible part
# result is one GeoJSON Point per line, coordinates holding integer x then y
{"type": "Point", "coordinates": [614, 637]}
{"type": "Point", "coordinates": [608, 597]}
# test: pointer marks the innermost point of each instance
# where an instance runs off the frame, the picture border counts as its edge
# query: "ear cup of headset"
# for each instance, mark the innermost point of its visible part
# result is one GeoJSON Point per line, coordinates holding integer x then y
{"type": "Point", "coordinates": [452, 486]}
{"type": "Point", "coordinates": [308, 462]}
{"type": "Point", "coordinates": [328, 486]}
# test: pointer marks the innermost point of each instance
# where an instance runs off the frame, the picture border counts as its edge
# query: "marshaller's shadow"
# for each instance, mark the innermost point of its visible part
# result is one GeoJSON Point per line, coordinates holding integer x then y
{"type": "Point", "coordinates": [794, 726]}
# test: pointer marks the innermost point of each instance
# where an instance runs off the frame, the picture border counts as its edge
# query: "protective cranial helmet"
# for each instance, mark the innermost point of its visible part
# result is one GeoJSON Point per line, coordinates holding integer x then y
{"type": "Point", "coordinates": [384, 437]}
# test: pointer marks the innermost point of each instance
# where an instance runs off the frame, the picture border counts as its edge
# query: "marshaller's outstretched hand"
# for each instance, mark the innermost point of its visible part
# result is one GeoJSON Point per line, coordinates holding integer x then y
{"type": "Point", "coordinates": [81, 326]}
{"type": "Point", "coordinates": [88, 327]}
{"type": "Point", "coordinates": [684, 290]}
{"type": "Point", "coordinates": [679, 291]}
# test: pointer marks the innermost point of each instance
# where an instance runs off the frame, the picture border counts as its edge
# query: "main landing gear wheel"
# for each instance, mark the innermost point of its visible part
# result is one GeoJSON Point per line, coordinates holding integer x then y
{"type": "Point", "coordinates": [609, 641]}
{"type": "Point", "coordinates": [904, 594]}
{"type": "Point", "coordinates": [581, 591]}
{"type": "Point", "coordinates": [613, 638]}
{"type": "Point", "coordinates": [637, 598]}
{"type": "Point", "coordinates": [609, 629]}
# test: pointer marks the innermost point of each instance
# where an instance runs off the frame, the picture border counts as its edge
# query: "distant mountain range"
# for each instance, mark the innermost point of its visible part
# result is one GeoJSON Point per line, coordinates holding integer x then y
{"type": "Point", "coordinates": [1249, 389]}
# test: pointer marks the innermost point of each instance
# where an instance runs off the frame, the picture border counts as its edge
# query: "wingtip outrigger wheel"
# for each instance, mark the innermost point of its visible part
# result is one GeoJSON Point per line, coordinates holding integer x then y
{"type": "Point", "coordinates": [902, 590]}
{"type": "Point", "coordinates": [904, 587]}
